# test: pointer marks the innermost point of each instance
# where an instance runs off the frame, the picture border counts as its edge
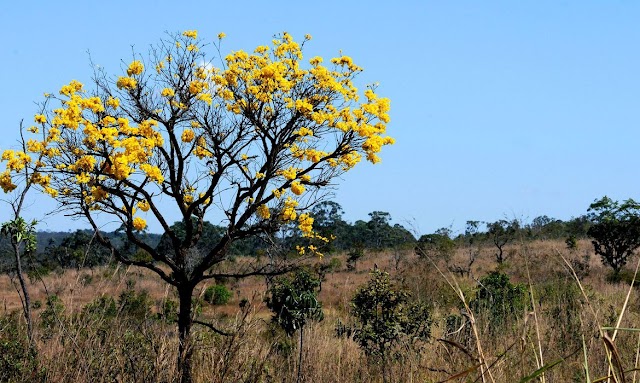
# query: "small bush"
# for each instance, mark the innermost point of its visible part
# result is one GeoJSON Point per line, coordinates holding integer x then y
{"type": "Point", "coordinates": [498, 298]}
{"type": "Point", "coordinates": [386, 318]}
{"type": "Point", "coordinates": [217, 295]}
{"type": "Point", "coordinates": [51, 315]}
{"type": "Point", "coordinates": [134, 305]}
{"type": "Point", "coordinates": [17, 360]}
{"type": "Point", "coordinates": [103, 307]}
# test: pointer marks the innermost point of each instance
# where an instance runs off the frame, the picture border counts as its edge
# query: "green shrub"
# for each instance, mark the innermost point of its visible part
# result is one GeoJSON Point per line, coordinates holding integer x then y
{"type": "Point", "coordinates": [18, 362]}
{"type": "Point", "coordinates": [103, 307]}
{"type": "Point", "coordinates": [51, 315]}
{"type": "Point", "coordinates": [499, 299]}
{"type": "Point", "coordinates": [386, 318]}
{"type": "Point", "coordinates": [135, 305]}
{"type": "Point", "coordinates": [169, 311]}
{"type": "Point", "coordinates": [294, 301]}
{"type": "Point", "coordinates": [217, 295]}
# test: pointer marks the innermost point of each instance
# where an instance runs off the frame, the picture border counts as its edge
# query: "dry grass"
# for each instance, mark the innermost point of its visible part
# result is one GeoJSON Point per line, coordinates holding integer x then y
{"type": "Point", "coordinates": [561, 325]}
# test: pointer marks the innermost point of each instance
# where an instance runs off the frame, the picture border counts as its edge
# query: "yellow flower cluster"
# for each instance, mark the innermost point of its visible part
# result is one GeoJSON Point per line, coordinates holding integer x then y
{"type": "Point", "coordinates": [297, 188]}
{"type": "Point", "coordinates": [73, 87]}
{"type": "Point", "coordinates": [153, 172]}
{"type": "Point", "coordinates": [139, 223]}
{"type": "Point", "coordinates": [135, 68]}
{"type": "Point", "coordinates": [113, 102]}
{"type": "Point", "coordinates": [168, 92]}
{"type": "Point", "coordinates": [289, 209]}
{"type": "Point", "coordinates": [193, 34]}
{"type": "Point", "coordinates": [16, 160]}
{"type": "Point", "coordinates": [6, 183]}
{"type": "Point", "coordinates": [289, 173]}
{"type": "Point", "coordinates": [188, 135]}
{"type": "Point", "coordinates": [144, 205]}
{"type": "Point", "coordinates": [263, 212]}
{"type": "Point", "coordinates": [202, 150]}
{"type": "Point", "coordinates": [305, 224]}
{"type": "Point", "coordinates": [126, 83]}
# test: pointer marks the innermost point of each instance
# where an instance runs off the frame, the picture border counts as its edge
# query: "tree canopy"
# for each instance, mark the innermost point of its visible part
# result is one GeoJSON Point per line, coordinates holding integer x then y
{"type": "Point", "coordinates": [255, 140]}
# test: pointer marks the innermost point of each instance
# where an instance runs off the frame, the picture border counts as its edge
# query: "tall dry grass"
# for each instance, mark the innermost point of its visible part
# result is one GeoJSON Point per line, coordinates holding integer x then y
{"type": "Point", "coordinates": [566, 333]}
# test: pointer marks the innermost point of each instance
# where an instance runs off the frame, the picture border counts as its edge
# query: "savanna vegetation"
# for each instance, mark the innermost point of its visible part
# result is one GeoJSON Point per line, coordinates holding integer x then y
{"type": "Point", "coordinates": [281, 288]}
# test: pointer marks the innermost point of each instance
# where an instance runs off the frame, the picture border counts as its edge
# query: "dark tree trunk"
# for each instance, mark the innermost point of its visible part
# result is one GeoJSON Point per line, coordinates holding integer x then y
{"type": "Point", "coordinates": [499, 256]}
{"type": "Point", "coordinates": [185, 349]}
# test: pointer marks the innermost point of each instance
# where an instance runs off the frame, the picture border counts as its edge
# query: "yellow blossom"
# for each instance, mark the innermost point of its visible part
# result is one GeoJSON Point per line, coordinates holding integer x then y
{"type": "Point", "coordinates": [221, 35]}
{"type": "Point", "coordinates": [83, 178]}
{"type": "Point", "coordinates": [113, 102]}
{"type": "Point", "coordinates": [135, 68]}
{"type": "Point", "coordinates": [126, 83]}
{"type": "Point", "coordinates": [40, 118]}
{"type": "Point", "coordinates": [153, 172]}
{"type": "Point", "coordinates": [263, 212]}
{"type": "Point", "coordinates": [6, 183]}
{"type": "Point", "coordinates": [139, 224]}
{"type": "Point", "coordinates": [297, 188]}
{"type": "Point", "coordinates": [305, 224]}
{"type": "Point", "coordinates": [289, 173]}
{"type": "Point", "coordinates": [192, 34]}
{"type": "Point", "coordinates": [168, 92]}
{"type": "Point", "coordinates": [144, 205]}
{"type": "Point", "coordinates": [289, 210]}
{"type": "Point", "coordinates": [206, 97]}
{"type": "Point", "coordinates": [188, 135]}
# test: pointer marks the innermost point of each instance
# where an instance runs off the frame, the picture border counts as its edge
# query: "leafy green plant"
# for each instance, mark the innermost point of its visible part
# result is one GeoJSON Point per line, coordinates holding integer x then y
{"type": "Point", "coordinates": [104, 307]}
{"type": "Point", "coordinates": [17, 359]}
{"type": "Point", "coordinates": [499, 299]}
{"type": "Point", "coordinates": [217, 295]}
{"type": "Point", "coordinates": [135, 305]}
{"type": "Point", "coordinates": [294, 301]}
{"type": "Point", "coordinates": [51, 316]}
{"type": "Point", "coordinates": [386, 319]}
{"type": "Point", "coordinates": [615, 231]}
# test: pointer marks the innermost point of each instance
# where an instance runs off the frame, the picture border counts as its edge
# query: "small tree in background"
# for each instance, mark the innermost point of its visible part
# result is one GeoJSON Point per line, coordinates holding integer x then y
{"type": "Point", "coordinates": [501, 233]}
{"type": "Point", "coordinates": [21, 234]}
{"type": "Point", "coordinates": [255, 141]}
{"type": "Point", "coordinates": [500, 299]}
{"type": "Point", "coordinates": [294, 302]}
{"type": "Point", "coordinates": [615, 231]}
{"type": "Point", "coordinates": [385, 318]}
{"type": "Point", "coordinates": [438, 245]}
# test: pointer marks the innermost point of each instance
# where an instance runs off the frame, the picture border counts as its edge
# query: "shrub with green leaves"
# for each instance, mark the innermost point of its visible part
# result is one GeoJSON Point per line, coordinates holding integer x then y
{"type": "Point", "coordinates": [135, 305]}
{"type": "Point", "coordinates": [217, 295]}
{"type": "Point", "coordinates": [387, 318]}
{"type": "Point", "coordinates": [17, 359]}
{"type": "Point", "coordinates": [294, 300]}
{"type": "Point", "coordinates": [615, 232]}
{"type": "Point", "coordinates": [499, 299]}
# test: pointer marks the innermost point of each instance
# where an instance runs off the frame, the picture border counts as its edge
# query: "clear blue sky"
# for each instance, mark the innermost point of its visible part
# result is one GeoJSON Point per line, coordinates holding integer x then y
{"type": "Point", "coordinates": [516, 108]}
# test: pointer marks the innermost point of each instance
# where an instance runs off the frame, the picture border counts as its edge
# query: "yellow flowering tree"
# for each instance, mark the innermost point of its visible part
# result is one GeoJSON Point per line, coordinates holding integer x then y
{"type": "Point", "coordinates": [255, 139]}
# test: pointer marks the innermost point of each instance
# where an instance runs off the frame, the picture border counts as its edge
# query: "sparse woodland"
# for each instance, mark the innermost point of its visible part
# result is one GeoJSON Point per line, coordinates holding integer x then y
{"type": "Point", "coordinates": [114, 323]}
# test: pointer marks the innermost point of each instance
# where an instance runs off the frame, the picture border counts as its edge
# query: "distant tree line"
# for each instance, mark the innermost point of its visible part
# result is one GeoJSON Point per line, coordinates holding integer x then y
{"type": "Point", "coordinates": [79, 249]}
{"type": "Point", "coordinates": [58, 250]}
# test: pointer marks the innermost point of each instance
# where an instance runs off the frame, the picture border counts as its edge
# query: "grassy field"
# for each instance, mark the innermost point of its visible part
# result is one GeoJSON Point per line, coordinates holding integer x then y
{"type": "Point", "coordinates": [555, 336]}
